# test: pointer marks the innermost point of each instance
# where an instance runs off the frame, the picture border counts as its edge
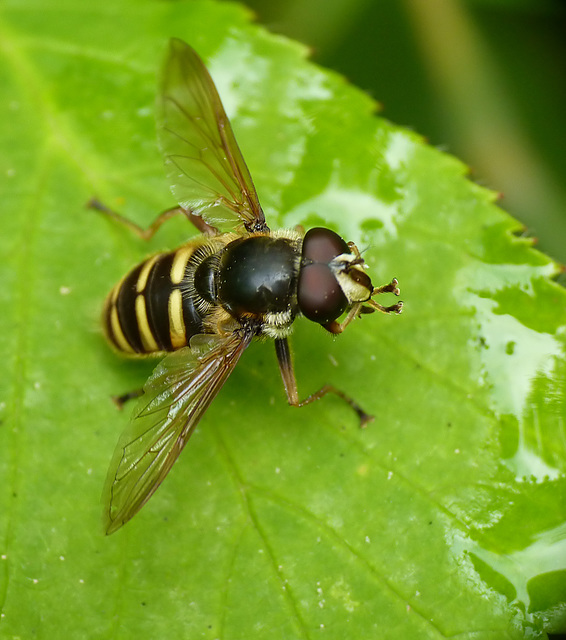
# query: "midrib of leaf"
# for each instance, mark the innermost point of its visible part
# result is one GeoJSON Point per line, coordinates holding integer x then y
{"type": "Point", "coordinates": [23, 301]}
{"type": "Point", "coordinates": [23, 296]}
{"type": "Point", "coordinates": [60, 137]}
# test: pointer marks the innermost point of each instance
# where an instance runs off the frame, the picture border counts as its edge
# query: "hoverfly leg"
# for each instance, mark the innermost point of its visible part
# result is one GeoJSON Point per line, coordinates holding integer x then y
{"type": "Point", "coordinates": [336, 327]}
{"type": "Point", "coordinates": [354, 249]}
{"type": "Point", "coordinates": [392, 287]}
{"type": "Point", "coordinates": [290, 384]}
{"type": "Point", "coordinates": [120, 401]}
{"type": "Point", "coordinates": [394, 308]}
{"type": "Point", "coordinates": [144, 234]}
{"type": "Point", "coordinates": [372, 305]}
{"type": "Point", "coordinates": [199, 223]}
{"type": "Point", "coordinates": [147, 234]}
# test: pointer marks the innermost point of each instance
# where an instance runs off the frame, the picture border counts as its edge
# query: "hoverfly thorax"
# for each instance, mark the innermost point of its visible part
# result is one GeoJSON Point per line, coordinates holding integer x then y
{"type": "Point", "coordinates": [257, 275]}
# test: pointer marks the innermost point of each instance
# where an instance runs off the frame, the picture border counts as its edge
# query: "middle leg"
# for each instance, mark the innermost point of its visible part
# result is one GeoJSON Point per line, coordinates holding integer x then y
{"type": "Point", "coordinates": [290, 384]}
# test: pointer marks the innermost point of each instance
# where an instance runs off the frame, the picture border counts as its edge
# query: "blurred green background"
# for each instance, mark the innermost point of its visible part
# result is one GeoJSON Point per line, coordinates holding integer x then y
{"type": "Point", "coordinates": [482, 79]}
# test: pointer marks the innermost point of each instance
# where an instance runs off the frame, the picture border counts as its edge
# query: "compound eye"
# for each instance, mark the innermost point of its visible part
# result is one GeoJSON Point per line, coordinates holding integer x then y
{"type": "Point", "coordinates": [319, 295]}
{"type": "Point", "coordinates": [323, 245]}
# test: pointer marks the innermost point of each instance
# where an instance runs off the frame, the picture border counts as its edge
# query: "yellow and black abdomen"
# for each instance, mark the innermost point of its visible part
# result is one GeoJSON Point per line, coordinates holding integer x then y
{"type": "Point", "coordinates": [149, 310]}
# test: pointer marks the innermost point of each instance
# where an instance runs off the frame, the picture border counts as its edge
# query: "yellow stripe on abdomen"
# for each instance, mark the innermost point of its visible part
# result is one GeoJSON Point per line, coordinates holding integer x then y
{"type": "Point", "coordinates": [176, 320]}
{"type": "Point", "coordinates": [117, 335]}
{"type": "Point", "coordinates": [180, 260]}
{"type": "Point", "coordinates": [146, 335]}
{"type": "Point", "coordinates": [144, 273]}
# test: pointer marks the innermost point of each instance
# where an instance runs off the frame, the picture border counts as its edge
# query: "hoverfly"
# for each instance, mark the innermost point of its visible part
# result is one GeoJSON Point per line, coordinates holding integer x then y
{"type": "Point", "coordinates": [205, 302]}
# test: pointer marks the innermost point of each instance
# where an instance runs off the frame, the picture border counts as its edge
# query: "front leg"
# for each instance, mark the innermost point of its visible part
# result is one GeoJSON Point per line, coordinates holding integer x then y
{"type": "Point", "coordinates": [369, 306]}
{"type": "Point", "coordinates": [290, 384]}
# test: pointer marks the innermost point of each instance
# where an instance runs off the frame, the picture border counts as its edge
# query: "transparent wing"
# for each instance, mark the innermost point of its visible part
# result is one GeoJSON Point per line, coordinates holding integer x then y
{"type": "Point", "coordinates": [207, 172]}
{"type": "Point", "coordinates": [176, 396]}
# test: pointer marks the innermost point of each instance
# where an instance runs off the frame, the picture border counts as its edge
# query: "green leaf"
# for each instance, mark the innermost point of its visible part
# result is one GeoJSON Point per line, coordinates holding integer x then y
{"type": "Point", "coordinates": [445, 517]}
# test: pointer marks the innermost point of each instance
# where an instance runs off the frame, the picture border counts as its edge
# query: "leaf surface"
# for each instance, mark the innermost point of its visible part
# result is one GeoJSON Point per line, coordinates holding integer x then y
{"type": "Point", "coordinates": [445, 517]}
